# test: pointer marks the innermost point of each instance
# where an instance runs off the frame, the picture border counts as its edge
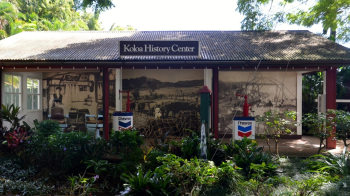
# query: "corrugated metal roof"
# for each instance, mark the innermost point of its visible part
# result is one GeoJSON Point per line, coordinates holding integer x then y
{"type": "Point", "coordinates": [215, 46]}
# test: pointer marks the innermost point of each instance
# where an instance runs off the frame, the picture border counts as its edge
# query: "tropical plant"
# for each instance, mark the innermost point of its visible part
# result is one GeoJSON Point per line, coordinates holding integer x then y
{"type": "Point", "coordinates": [246, 152]}
{"type": "Point", "coordinates": [8, 14]}
{"type": "Point", "coordinates": [320, 125]}
{"type": "Point", "coordinates": [81, 185]}
{"type": "Point", "coordinates": [331, 163]}
{"type": "Point", "coordinates": [10, 114]}
{"type": "Point", "coordinates": [277, 124]}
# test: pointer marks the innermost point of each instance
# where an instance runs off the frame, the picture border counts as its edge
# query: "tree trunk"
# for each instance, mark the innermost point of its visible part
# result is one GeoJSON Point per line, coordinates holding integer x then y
{"type": "Point", "coordinates": [333, 34]}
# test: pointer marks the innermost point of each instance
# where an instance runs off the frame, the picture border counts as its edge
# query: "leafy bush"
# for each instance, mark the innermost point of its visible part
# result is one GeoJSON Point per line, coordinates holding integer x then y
{"type": "Point", "coordinates": [277, 124]}
{"type": "Point", "coordinates": [46, 128]}
{"type": "Point", "coordinates": [319, 125]}
{"type": "Point", "coordinates": [331, 163]}
{"type": "Point", "coordinates": [14, 187]}
{"type": "Point", "coordinates": [246, 152]}
{"type": "Point", "coordinates": [61, 152]}
{"type": "Point", "coordinates": [195, 176]}
{"type": "Point", "coordinates": [11, 169]}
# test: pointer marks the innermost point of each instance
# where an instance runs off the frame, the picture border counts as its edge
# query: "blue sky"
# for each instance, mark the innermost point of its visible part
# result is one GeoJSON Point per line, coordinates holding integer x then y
{"type": "Point", "coordinates": [165, 15]}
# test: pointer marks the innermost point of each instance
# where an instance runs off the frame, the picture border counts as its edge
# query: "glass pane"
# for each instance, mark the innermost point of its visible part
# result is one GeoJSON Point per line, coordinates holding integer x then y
{"type": "Point", "coordinates": [16, 100]}
{"type": "Point", "coordinates": [35, 102]}
{"type": "Point", "coordinates": [29, 102]}
{"type": "Point", "coordinates": [35, 86]}
{"type": "Point", "coordinates": [16, 84]}
{"type": "Point", "coordinates": [7, 99]}
{"type": "Point", "coordinates": [29, 85]}
{"type": "Point", "coordinates": [8, 83]}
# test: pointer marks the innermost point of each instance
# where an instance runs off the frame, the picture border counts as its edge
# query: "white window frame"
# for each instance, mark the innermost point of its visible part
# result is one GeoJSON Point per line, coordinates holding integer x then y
{"type": "Point", "coordinates": [33, 94]}
{"type": "Point", "coordinates": [12, 93]}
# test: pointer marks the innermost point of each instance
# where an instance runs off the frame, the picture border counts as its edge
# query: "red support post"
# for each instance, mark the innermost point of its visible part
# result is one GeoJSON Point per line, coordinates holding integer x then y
{"type": "Point", "coordinates": [106, 103]}
{"type": "Point", "coordinates": [216, 102]}
{"type": "Point", "coordinates": [331, 92]}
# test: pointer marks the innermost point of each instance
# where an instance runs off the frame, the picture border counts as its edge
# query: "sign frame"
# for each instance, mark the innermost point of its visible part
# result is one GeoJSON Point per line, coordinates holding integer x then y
{"type": "Point", "coordinates": [159, 55]}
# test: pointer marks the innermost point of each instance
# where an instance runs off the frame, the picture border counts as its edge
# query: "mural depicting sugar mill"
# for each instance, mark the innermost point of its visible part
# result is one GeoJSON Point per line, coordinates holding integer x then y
{"type": "Point", "coordinates": [164, 100]}
{"type": "Point", "coordinates": [266, 91]}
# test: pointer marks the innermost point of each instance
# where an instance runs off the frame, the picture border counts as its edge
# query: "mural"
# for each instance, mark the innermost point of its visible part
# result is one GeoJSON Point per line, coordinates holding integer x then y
{"type": "Point", "coordinates": [266, 91]}
{"type": "Point", "coordinates": [76, 93]}
{"type": "Point", "coordinates": [164, 99]}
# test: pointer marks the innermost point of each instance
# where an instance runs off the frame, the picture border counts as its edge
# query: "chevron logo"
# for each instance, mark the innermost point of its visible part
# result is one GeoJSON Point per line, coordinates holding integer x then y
{"type": "Point", "coordinates": [244, 129]}
{"type": "Point", "coordinates": [124, 125]}
{"type": "Point", "coordinates": [241, 134]}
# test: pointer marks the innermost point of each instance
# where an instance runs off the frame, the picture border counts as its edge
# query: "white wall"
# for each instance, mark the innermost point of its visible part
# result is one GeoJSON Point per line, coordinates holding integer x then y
{"type": "Point", "coordinates": [31, 114]}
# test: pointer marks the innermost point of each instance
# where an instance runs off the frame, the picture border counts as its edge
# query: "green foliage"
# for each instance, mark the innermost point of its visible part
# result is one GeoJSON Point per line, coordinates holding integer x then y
{"type": "Point", "coordinates": [192, 176]}
{"type": "Point", "coordinates": [11, 169]}
{"type": "Point", "coordinates": [312, 86]}
{"type": "Point", "coordinates": [81, 185]}
{"type": "Point", "coordinates": [46, 128]}
{"type": "Point", "coordinates": [277, 124]}
{"type": "Point", "coordinates": [189, 146]}
{"type": "Point", "coordinates": [265, 14]}
{"type": "Point", "coordinates": [150, 183]}
{"type": "Point", "coordinates": [246, 152]}
{"type": "Point", "coordinates": [16, 187]}
{"type": "Point", "coordinates": [59, 153]}
{"type": "Point", "coordinates": [9, 113]}
{"type": "Point", "coordinates": [331, 163]}
{"type": "Point", "coordinates": [342, 121]}
{"type": "Point", "coordinates": [320, 125]}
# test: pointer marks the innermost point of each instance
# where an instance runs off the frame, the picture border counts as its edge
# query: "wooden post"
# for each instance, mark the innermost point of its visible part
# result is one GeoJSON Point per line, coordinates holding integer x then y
{"type": "Point", "coordinates": [216, 102]}
{"type": "Point", "coordinates": [106, 103]}
{"type": "Point", "coordinates": [331, 92]}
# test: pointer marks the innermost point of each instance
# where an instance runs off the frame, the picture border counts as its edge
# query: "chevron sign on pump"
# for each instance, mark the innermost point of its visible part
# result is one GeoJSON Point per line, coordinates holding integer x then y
{"type": "Point", "coordinates": [244, 126]}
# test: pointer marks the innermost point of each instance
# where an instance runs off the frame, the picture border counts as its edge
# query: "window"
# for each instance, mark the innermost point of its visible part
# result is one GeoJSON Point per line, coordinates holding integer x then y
{"type": "Point", "coordinates": [12, 93]}
{"type": "Point", "coordinates": [33, 94]}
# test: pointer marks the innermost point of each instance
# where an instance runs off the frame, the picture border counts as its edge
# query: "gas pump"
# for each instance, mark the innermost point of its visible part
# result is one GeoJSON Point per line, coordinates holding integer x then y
{"type": "Point", "coordinates": [123, 120]}
{"type": "Point", "coordinates": [244, 126]}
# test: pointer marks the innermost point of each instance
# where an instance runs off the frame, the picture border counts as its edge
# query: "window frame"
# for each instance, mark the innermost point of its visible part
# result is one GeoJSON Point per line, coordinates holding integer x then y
{"type": "Point", "coordinates": [13, 93]}
{"type": "Point", "coordinates": [33, 94]}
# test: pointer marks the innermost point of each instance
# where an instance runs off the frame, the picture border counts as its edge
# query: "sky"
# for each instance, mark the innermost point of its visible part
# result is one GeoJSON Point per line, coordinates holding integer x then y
{"type": "Point", "coordinates": [186, 15]}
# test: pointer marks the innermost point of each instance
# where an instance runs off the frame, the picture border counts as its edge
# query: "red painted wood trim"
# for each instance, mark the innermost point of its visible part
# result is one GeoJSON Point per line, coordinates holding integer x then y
{"type": "Point", "coordinates": [216, 102]}
{"type": "Point", "coordinates": [331, 92]}
{"type": "Point", "coordinates": [1, 94]}
{"type": "Point", "coordinates": [106, 103]}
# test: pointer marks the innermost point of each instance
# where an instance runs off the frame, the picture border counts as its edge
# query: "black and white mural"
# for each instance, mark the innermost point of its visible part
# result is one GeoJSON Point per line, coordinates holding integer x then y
{"type": "Point", "coordinates": [266, 91]}
{"type": "Point", "coordinates": [76, 93]}
{"type": "Point", "coordinates": [163, 99]}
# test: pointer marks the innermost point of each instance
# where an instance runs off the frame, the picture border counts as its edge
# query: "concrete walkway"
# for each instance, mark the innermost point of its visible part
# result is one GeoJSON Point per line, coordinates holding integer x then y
{"type": "Point", "coordinates": [304, 147]}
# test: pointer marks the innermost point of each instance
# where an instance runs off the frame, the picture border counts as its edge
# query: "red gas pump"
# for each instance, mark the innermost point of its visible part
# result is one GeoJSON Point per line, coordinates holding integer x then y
{"type": "Point", "coordinates": [128, 101]}
{"type": "Point", "coordinates": [245, 105]}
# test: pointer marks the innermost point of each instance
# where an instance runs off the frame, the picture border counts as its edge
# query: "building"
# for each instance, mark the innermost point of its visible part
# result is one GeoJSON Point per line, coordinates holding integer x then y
{"type": "Point", "coordinates": [75, 70]}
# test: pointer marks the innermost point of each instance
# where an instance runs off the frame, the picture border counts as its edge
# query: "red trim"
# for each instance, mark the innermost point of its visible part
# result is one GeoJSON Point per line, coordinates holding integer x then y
{"type": "Point", "coordinates": [106, 103]}
{"type": "Point", "coordinates": [216, 103]}
{"type": "Point", "coordinates": [331, 92]}
{"type": "Point", "coordinates": [1, 95]}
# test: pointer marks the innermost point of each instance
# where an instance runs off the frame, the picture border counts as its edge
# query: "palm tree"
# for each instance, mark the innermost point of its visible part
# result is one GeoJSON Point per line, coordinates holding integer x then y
{"type": "Point", "coordinates": [8, 14]}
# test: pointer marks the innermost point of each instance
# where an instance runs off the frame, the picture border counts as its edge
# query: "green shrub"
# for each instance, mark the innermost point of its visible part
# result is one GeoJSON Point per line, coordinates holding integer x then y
{"type": "Point", "coordinates": [331, 163]}
{"type": "Point", "coordinates": [195, 176]}
{"type": "Point", "coordinates": [246, 152]}
{"type": "Point", "coordinates": [46, 128]}
{"type": "Point", "coordinates": [10, 187]}
{"type": "Point", "coordinates": [60, 153]}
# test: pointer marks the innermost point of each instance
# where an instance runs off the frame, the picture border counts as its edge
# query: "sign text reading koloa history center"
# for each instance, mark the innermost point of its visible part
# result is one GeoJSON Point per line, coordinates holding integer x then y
{"type": "Point", "coordinates": [159, 48]}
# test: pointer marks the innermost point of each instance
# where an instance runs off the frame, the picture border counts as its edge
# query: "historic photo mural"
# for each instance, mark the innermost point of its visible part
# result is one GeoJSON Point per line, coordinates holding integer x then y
{"type": "Point", "coordinates": [164, 100]}
{"type": "Point", "coordinates": [77, 93]}
{"type": "Point", "coordinates": [266, 91]}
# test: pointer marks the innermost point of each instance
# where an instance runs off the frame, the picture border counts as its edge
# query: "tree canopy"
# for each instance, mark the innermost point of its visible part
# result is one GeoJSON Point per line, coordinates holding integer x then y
{"type": "Point", "coordinates": [50, 15]}
{"type": "Point", "coordinates": [334, 15]}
